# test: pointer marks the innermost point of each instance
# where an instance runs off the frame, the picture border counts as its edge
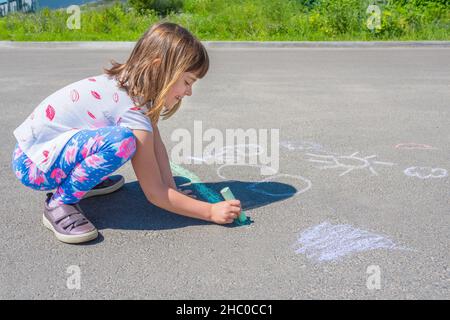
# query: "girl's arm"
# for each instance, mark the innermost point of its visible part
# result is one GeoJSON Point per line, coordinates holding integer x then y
{"type": "Point", "coordinates": [145, 166]}
{"type": "Point", "coordinates": [163, 159]}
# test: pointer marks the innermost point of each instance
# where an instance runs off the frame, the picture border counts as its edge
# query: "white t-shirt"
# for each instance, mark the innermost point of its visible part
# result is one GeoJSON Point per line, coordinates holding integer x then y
{"type": "Point", "coordinates": [90, 103]}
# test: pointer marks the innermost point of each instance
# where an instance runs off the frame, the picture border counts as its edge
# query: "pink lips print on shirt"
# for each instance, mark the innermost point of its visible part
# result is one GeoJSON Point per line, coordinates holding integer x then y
{"type": "Point", "coordinates": [50, 112]}
{"type": "Point", "coordinates": [74, 95]}
{"type": "Point", "coordinates": [91, 115]}
{"type": "Point", "coordinates": [96, 95]}
{"type": "Point", "coordinates": [116, 97]}
{"type": "Point", "coordinates": [45, 153]}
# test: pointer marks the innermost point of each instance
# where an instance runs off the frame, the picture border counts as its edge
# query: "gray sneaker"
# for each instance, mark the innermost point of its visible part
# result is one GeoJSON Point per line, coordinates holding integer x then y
{"type": "Point", "coordinates": [68, 222]}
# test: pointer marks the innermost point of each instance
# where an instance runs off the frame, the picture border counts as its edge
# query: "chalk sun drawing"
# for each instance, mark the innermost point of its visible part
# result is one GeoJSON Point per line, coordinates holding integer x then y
{"type": "Point", "coordinates": [425, 172]}
{"type": "Point", "coordinates": [329, 242]}
{"type": "Point", "coordinates": [336, 162]}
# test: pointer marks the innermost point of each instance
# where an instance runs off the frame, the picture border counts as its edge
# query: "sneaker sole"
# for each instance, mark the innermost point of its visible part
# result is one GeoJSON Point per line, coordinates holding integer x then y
{"type": "Point", "coordinates": [70, 238]}
{"type": "Point", "coordinates": [103, 191]}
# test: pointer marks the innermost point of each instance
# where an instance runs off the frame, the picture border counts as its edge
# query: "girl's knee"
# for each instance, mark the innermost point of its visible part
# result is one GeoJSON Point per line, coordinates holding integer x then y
{"type": "Point", "coordinates": [39, 184]}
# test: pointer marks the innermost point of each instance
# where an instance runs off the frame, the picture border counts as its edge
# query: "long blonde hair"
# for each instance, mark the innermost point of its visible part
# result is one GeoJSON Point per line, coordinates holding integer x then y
{"type": "Point", "coordinates": [158, 60]}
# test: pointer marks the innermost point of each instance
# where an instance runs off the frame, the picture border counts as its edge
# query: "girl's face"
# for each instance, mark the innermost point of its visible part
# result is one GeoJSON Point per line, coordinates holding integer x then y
{"type": "Point", "coordinates": [181, 88]}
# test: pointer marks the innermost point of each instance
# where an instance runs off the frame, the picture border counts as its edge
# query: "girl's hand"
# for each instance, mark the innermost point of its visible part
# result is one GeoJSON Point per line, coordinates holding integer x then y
{"type": "Point", "coordinates": [225, 211]}
{"type": "Point", "coordinates": [188, 193]}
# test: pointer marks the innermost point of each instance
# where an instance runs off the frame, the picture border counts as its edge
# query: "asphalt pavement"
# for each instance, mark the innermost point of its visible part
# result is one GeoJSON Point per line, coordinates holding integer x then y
{"type": "Point", "coordinates": [357, 207]}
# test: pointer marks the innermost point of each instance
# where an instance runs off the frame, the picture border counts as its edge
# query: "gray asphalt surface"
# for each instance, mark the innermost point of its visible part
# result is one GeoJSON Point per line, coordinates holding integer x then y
{"type": "Point", "coordinates": [388, 106]}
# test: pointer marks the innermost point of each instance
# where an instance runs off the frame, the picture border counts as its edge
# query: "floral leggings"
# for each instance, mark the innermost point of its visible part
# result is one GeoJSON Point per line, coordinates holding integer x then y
{"type": "Point", "coordinates": [86, 160]}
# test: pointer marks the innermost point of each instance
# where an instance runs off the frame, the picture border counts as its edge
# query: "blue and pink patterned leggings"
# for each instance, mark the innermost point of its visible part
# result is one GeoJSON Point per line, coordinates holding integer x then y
{"type": "Point", "coordinates": [87, 159]}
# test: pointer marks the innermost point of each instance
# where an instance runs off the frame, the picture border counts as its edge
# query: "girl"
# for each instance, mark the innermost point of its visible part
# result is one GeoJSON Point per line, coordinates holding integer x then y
{"type": "Point", "coordinates": [82, 133]}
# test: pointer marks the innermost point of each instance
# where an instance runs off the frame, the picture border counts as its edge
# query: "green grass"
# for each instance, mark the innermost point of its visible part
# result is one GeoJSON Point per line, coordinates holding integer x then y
{"type": "Point", "coordinates": [250, 20]}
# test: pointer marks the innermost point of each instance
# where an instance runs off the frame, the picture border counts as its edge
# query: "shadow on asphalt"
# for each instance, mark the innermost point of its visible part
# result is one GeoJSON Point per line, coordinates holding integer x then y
{"type": "Point", "coordinates": [128, 208]}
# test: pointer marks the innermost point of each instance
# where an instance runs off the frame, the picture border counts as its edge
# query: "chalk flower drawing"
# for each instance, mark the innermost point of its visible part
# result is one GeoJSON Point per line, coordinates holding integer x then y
{"type": "Point", "coordinates": [336, 162]}
{"type": "Point", "coordinates": [426, 172]}
{"type": "Point", "coordinates": [328, 242]}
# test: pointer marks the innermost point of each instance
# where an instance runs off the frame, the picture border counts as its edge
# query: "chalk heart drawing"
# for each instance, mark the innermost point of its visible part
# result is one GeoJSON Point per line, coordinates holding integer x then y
{"type": "Point", "coordinates": [425, 172]}
{"type": "Point", "coordinates": [413, 145]}
{"type": "Point", "coordinates": [339, 162]}
{"type": "Point", "coordinates": [329, 242]}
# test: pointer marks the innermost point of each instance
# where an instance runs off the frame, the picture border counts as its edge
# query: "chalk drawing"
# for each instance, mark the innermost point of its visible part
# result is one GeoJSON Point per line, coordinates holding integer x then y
{"type": "Point", "coordinates": [412, 145]}
{"type": "Point", "coordinates": [227, 153]}
{"type": "Point", "coordinates": [243, 150]}
{"type": "Point", "coordinates": [257, 186]}
{"type": "Point", "coordinates": [329, 242]}
{"type": "Point", "coordinates": [301, 145]}
{"type": "Point", "coordinates": [207, 193]}
{"type": "Point", "coordinates": [335, 162]}
{"type": "Point", "coordinates": [425, 172]}
{"type": "Point", "coordinates": [261, 167]}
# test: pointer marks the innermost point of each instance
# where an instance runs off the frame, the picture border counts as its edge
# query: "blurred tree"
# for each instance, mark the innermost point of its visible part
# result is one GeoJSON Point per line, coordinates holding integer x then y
{"type": "Point", "coordinates": [160, 6]}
